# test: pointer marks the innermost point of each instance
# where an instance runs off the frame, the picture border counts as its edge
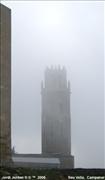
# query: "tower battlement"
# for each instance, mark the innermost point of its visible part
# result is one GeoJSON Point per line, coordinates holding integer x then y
{"type": "Point", "coordinates": [56, 78]}
{"type": "Point", "coordinates": [56, 68]}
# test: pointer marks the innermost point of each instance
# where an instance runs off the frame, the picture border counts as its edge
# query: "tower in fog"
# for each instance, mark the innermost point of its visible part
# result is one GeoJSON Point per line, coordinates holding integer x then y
{"type": "Point", "coordinates": [56, 120]}
{"type": "Point", "coordinates": [5, 84]}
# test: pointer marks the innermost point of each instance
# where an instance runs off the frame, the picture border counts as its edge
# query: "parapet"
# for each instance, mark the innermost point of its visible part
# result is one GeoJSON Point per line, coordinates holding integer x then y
{"type": "Point", "coordinates": [55, 78]}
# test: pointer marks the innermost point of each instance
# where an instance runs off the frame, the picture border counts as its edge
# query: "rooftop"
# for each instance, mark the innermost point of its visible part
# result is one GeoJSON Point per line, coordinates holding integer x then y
{"type": "Point", "coordinates": [36, 160]}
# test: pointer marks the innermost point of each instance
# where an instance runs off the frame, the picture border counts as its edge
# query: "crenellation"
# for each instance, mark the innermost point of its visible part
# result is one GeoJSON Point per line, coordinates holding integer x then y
{"type": "Point", "coordinates": [55, 78]}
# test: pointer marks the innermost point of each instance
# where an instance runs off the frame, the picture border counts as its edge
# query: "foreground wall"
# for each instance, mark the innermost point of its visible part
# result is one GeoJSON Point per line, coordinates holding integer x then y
{"type": "Point", "coordinates": [5, 84]}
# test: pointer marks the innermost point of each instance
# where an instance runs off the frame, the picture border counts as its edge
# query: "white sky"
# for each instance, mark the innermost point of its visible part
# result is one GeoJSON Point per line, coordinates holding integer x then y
{"type": "Point", "coordinates": [53, 33]}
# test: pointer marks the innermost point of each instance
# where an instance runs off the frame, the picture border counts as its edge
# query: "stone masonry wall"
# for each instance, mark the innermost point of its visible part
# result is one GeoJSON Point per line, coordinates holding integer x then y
{"type": "Point", "coordinates": [5, 84]}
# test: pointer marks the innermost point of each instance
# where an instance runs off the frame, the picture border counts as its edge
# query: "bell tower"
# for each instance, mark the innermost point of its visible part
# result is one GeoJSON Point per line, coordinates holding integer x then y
{"type": "Point", "coordinates": [56, 119]}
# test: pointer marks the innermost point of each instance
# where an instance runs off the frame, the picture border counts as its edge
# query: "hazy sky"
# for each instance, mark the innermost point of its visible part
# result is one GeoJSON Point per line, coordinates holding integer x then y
{"type": "Point", "coordinates": [69, 34]}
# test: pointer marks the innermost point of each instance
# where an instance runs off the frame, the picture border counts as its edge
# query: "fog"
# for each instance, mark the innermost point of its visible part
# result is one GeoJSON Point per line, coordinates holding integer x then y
{"type": "Point", "coordinates": [59, 33]}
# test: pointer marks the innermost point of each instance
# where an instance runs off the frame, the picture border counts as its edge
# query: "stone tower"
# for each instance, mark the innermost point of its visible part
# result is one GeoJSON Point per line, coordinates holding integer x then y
{"type": "Point", "coordinates": [56, 121]}
{"type": "Point", "coordinates": [5, 85]}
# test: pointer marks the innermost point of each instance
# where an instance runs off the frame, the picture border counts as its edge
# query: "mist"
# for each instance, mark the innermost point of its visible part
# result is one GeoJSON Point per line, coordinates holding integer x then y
{"type": "Point", "coordinates": [69, 34]}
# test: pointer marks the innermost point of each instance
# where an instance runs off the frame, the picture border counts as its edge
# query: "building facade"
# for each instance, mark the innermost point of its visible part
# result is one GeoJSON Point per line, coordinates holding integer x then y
{"type": "Point", "coordinates": [5, 84]}
{"type": "Point", "coordinates": [56, 120]}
